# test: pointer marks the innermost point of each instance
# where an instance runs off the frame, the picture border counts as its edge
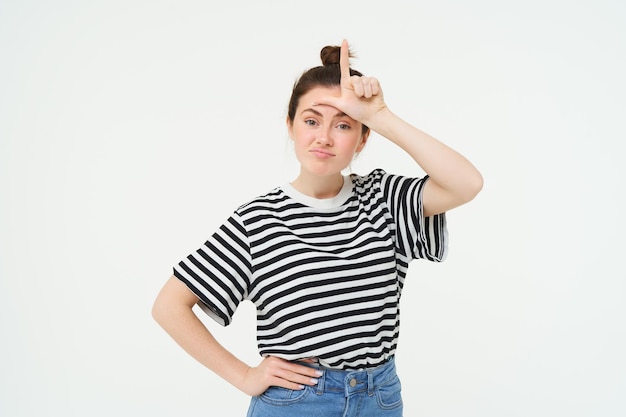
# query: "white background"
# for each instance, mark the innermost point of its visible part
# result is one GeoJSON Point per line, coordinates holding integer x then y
{"type": "Point", "coordinates": [129, 130]}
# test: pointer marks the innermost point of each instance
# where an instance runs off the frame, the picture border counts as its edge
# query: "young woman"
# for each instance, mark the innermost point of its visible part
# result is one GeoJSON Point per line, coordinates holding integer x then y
{"type": "Point", "coordinates": [323, 258]}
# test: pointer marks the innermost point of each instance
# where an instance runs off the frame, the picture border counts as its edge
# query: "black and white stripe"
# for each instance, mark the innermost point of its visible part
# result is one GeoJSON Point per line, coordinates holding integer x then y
{"type": "Point", "coordinates": [326, 281]}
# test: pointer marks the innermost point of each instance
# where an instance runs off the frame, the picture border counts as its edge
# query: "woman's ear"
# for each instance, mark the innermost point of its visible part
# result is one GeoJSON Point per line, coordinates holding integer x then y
{"type": "Point", "coordinates": [289, 127]}
{"type": "Point", "coordinates": [363, 141]}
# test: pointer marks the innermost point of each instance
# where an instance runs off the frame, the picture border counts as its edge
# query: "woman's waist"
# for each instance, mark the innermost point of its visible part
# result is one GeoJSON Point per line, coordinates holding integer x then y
{"type": "Point", "coordinates": [353, 380]}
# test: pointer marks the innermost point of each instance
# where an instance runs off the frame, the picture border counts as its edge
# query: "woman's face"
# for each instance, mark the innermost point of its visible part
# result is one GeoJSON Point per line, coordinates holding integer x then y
{"type": "Point", "coordinates": [324, 137]}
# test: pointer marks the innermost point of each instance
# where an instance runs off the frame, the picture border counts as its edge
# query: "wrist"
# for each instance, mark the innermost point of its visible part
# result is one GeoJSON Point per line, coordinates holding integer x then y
{"type": "Point", "coordinates": [382, 122]}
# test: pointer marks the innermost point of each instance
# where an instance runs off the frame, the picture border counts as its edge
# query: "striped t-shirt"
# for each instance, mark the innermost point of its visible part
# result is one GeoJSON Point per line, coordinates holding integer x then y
{"type": "Point", "coordinates": [325, 275]}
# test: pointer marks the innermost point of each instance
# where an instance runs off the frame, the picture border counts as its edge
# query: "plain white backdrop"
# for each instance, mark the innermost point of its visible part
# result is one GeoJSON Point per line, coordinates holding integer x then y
{"type": "Point", "coordinates": [129, 130]}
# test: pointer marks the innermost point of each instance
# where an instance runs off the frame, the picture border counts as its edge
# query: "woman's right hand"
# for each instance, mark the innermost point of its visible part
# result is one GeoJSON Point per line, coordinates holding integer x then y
{"type": "Point", "coordinates": [273, 371]}
{"type": "Point", "coordinates": [173, 310]}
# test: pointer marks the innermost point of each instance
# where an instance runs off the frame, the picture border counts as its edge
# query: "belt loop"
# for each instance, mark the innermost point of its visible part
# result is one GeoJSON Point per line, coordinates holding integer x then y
{"type": "Point", "coordinates": [370, 382]}
{"type": "Point", "coordinates": [319, 388]}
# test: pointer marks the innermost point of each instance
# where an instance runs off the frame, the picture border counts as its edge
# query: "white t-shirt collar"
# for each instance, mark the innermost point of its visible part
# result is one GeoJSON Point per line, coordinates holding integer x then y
{"type": "Point", "coordinates": [321, 203]}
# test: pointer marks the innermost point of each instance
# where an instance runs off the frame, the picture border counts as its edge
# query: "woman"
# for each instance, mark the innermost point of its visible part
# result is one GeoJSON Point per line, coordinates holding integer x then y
{"type": "Point", "coordinates": [323, 258]}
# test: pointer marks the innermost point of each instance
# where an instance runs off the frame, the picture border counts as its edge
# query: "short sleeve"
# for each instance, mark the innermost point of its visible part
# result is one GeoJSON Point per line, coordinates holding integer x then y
{"type": "Point", "coordinates": [417, 236]}
{"type": "Point", "coordinates": [219, 272]}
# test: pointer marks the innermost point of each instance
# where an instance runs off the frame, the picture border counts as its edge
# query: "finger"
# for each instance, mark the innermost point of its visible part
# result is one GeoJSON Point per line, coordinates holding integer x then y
{"type": "Point", "coordinates": [280, 372]}
{"type": "Point", "coordinates": [284, 383]}
{"type": "Point", "coordinates": [375, 87]}
{"type": "Point", "coordinates": [296, 378]}
{"type": "Point", "coordinates": [367, 88]}
{"type": "Point", "coordinates": [344, 63]}
{"type": "Point", "coordinates": [283, 368]}
{"type": "Point", "coordinates": [326, 101]}
{"type": "Point", "coordinates": [305, 370]}
{"type": "Point", "coordinates": [357, 86]}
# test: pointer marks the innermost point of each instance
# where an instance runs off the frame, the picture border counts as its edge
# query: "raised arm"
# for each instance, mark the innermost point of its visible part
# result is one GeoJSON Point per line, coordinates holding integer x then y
{"type": "Point", "coordinates": [453, 180]}
{"type": "Point", "coordinates": [172, 309]}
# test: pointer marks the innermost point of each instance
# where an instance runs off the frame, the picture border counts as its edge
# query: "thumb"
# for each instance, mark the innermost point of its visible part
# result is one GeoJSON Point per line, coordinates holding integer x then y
{"type": "Point", "coordinates": [328, 101]}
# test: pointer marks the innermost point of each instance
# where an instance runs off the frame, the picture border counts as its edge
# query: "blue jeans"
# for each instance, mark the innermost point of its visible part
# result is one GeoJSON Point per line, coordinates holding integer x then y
{"type": "Point", "coordinates": [373, 392]}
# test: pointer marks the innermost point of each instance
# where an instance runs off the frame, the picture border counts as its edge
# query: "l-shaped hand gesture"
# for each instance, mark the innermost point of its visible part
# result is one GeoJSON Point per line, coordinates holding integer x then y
{"type": "Point", "coordinates": [361, 97]}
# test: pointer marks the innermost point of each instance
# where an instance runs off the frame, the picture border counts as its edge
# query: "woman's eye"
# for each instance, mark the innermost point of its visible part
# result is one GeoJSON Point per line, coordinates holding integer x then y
{"type": "Point", "coordinates": [309, 122]}
{"type": "Point", "coordinates": [343, 126]}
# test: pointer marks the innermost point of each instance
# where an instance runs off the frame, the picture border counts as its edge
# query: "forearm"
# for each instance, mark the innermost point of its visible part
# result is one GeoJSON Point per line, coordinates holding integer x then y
{"type": "Point", "coordinates": [182, 324]}
{"type": "Point", "coordinates": [447, 168]}
{"type": "Point", "coordinates": [173, 311]}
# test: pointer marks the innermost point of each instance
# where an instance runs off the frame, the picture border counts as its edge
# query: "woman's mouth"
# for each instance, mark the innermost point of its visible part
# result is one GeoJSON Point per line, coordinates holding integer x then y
{"type": "Point", "coordinates": [321, 153]}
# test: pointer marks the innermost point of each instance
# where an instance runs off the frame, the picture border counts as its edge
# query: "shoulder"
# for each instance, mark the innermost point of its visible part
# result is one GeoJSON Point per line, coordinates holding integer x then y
{"type": "Point", "coordinates": [387, 184]}
{"type": "Point", "coordinates": [270, 203]}
{"type": "Point", "coordinates": [373, 179]}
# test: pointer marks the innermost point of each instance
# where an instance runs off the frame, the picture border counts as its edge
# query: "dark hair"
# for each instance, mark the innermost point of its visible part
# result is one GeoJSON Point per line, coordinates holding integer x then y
{"type": "Point", "coordinates": [326, 75]}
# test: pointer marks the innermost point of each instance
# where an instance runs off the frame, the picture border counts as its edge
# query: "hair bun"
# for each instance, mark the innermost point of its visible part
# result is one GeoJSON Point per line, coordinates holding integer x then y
{"type": "Point", "coordinates": [330, 55]}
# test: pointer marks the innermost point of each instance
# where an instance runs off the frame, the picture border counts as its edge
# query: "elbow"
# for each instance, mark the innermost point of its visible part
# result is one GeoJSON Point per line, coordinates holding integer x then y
{"type": "Point", "coordinates": [164, 314]}
{"type": "Point", "coordinates": [173, 299]}
{"type": "Point", "coordinates": [157, 311]}
{"type": "Point", "coordinates": [161, 309]}
{"type": "Point", "coordinates": [476, 185]}
{"type": "Point", "coordinates": [473, 186]}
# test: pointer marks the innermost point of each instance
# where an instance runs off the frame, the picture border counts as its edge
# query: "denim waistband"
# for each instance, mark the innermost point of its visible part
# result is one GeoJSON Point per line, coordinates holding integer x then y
{"type": "Point", "coordinates": [354, 381]}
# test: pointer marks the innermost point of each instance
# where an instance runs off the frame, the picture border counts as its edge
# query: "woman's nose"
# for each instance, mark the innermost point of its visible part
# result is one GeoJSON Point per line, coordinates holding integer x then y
{"type": "Point", "coordinates": [324, 137]}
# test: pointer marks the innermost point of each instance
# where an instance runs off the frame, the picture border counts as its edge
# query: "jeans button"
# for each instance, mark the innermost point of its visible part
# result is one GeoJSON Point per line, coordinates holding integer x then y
{"type": "Point", "coordinates": [353, 382]}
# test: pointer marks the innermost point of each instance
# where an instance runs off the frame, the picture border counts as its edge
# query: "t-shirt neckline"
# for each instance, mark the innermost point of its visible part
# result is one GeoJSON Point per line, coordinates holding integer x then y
{"type": "Point", "coordinates": [321, 203]}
